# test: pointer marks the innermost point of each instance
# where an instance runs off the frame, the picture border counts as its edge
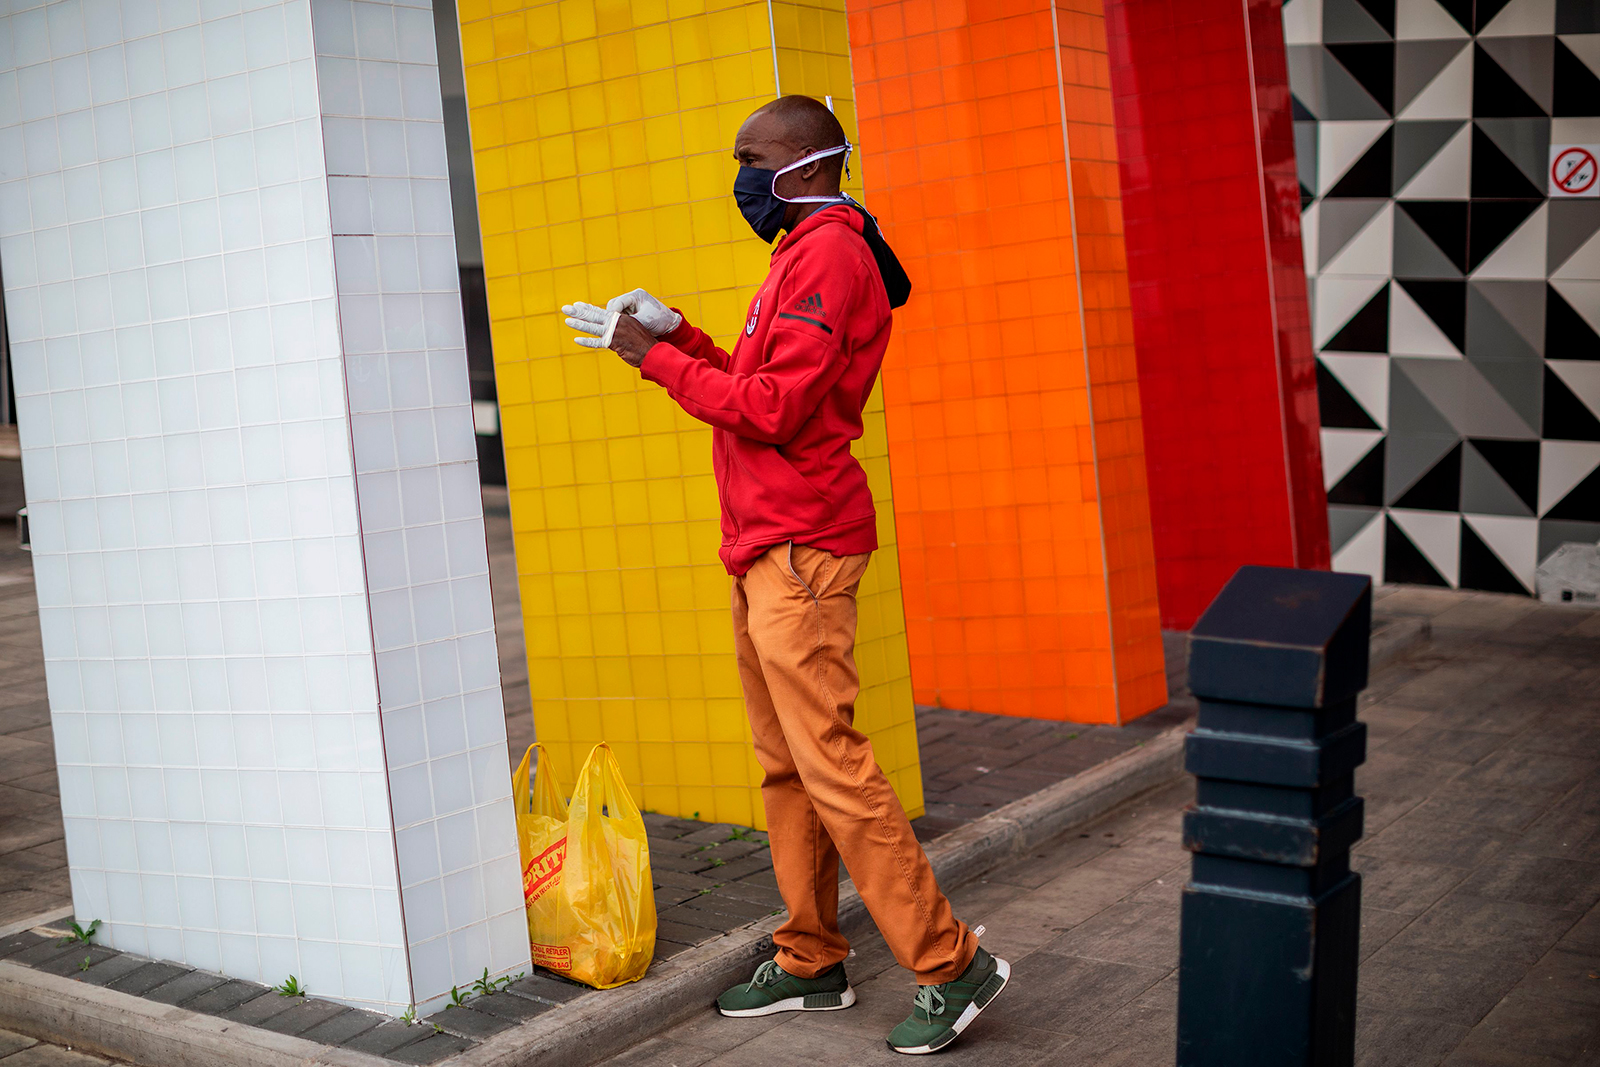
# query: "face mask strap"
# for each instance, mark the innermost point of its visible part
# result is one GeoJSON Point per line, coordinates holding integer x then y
{"type": "Point", "coordinates": [825, 153]}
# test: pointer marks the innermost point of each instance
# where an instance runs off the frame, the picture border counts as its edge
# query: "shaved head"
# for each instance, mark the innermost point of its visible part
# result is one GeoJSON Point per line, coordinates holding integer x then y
{"type": "Point", "coordinates": [807, 122]}
{"type": "Point", "coordinates": [778, 133]}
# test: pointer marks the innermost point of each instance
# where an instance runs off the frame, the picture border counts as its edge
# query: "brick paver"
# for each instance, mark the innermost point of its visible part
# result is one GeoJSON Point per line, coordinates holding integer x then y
{"type": "Point", "coordinates": [1481, 876]}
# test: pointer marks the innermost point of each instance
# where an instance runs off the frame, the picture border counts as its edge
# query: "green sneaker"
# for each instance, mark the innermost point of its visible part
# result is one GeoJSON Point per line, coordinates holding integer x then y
{"type": "Point", "coordinates": [774, 989]}
{"type": "Point", "coordinates": [942, 1012]}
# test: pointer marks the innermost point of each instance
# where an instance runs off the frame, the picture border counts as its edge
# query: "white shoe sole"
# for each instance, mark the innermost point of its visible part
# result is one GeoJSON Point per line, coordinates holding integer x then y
{"type": "Point", "coordinates": [847, 998]}
{"type": "Point", "coordinates": [973, 1010]}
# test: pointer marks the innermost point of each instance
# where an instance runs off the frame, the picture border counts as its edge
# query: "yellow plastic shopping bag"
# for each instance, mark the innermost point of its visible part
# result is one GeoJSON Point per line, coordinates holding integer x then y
{"type": "Point", "coordinates": [542, 835]}
{"type": "Point", "coordinates": [586, 873]}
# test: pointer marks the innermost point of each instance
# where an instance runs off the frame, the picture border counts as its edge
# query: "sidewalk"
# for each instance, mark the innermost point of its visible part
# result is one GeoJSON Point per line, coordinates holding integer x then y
{"type": "Point", "coordinates": [710, 880]}
{"type": "Point", "coordinates": [1481, 866]}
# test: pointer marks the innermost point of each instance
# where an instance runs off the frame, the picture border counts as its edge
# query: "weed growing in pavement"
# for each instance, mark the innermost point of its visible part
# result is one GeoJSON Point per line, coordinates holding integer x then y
{"type": "Point", "coordinates": [410, 1016]}
{"type": "Point", "coordinates": [80, 934]}
{"type": "Point", "coordinates": [741, 834]}
{"type": "Point", "coordinates": [87, 962]}
{"type": "Point", "coordinates": [486, 986]}
{"type": "Point", "coordinates": [483, 986]}
{"type": "Point", "coordinates": [718, 861]}
{"type": "Point", "coordinates": [290, 988]}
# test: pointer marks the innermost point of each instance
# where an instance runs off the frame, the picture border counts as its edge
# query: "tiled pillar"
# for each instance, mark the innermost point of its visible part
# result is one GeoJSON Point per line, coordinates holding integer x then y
{"type": "Point", "coordinates": [1013, 401]}
{"type": "Point", "coordinates": [1456, 281]}
{"type": "Point", "coordinates": [248, 452]}
{"type": "Point", "coordinates": [1213, 231]}
{"type": "Point", "coordinates": [602, 136]}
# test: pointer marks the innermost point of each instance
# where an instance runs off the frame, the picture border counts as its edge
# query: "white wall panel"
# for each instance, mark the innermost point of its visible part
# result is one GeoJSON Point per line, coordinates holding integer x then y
{"type": "Point", "coordinates": [229, 271]}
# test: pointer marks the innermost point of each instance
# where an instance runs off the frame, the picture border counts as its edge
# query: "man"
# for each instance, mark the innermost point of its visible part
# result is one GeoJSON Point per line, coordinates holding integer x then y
{"type": "Point", "coordinates": [798, 527]}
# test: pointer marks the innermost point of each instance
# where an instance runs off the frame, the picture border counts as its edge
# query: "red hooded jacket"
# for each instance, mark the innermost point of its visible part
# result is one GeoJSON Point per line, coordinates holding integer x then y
{"type": "Point", "coordinates": [785, 404]}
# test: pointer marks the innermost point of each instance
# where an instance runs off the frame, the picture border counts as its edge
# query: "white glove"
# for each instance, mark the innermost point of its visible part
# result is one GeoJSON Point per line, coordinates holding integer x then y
{"type": "Point", "coordinates": [652, 314]}
{"type": "Point", "coordinates": [598, 323]}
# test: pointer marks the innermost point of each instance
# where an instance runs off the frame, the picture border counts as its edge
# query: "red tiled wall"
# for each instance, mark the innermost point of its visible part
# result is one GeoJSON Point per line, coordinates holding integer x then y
{"type": "Point", "coordinates": [1226, 372]}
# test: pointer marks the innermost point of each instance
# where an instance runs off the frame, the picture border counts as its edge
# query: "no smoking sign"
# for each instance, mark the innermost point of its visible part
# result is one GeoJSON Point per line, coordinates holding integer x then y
{"type": "Point", "coordinates": [1574, 170]}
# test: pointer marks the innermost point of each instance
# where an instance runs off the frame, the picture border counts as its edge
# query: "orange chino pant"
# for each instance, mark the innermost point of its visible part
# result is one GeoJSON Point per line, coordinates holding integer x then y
{"type": "Point", "coordinates": [794, 624]}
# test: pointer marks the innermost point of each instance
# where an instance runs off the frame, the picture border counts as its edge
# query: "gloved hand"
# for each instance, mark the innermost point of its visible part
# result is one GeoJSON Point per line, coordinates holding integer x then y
{"type": "Point", "coordinates": [652, 314]}
{"type": "Point", "coordinates": [599, 323]}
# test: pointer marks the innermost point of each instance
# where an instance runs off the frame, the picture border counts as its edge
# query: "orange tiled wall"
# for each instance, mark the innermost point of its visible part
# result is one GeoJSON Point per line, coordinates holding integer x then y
{"type": "Point", "coordinates": [1015, 441]}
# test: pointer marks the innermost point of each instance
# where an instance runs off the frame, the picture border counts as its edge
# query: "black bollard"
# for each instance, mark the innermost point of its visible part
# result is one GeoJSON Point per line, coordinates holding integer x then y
{"type": "Point", "coordinates": [1272, 911]}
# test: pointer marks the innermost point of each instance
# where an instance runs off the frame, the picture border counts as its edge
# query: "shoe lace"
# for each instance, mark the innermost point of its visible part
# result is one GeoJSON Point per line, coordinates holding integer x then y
{"type": "Point", "coordinates": [768, 973]}
{"type": "Point", "coordinates": [930, 999]}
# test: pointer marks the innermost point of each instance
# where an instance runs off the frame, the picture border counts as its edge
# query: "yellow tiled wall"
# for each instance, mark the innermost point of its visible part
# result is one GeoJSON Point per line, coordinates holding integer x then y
{"type": "Point", "coordinates": [602, 132]}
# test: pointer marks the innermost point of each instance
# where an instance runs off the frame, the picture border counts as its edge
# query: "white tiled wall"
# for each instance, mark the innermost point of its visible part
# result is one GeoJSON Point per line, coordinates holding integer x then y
{"type": "Point", "coordinates": [417, 480]}
{"type": "Point", "coordinates": [221, 619]}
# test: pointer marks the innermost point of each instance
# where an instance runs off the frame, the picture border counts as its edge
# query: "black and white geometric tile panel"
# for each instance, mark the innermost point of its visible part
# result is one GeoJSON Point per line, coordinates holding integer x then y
{"type": "Point", "coordinates": [1451, 216]}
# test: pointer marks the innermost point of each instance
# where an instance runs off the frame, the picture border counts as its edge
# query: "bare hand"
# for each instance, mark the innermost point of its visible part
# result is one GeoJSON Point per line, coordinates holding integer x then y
{"type": "Point", "coordinates": [632, 341]}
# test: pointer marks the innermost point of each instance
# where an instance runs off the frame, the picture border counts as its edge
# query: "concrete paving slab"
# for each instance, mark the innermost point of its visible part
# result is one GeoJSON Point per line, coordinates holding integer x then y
{"type": "Point", "coordinates": [13, 1042]}
{"type": "Point", "coordinates": [658, 1052]}
{"type": "Point", "coordinates": [1430, 983]}
{"type": "Point", "coordinates": [108, 971]}
{"type": "Point", "coordinates": [184, 987]}
{"type": "Point", "coordinates": [1497, 807]}
{"type": "Point", "coordinates": [1565, 975]}
{"type": "Point", "coordinates": [1585, 933]}
{"type": "Point", "coordinates": [1072, 995]}
{"type": "Point", "coordinates": [343, 1029]}
{"type": "Point", "coordinates": [432, 1049]}
{"type": "Point", "coordinates": [139, 982]}
{"type": "Point", "coordinates": [511, 1007]}
{"type": "Point", "coordinates": [1417, 836]}
{"type": "Point", "coordinates": [225, 997]}
{"type": "Point", "coordinates": [258, 1009]}
{"type": "Point", "coordinates": [550, 990]}
{"type": "Point", "coordinates": [52, 1056]}
{"type": "Point", "coordinates": [1497, 929]}
{"type": "Point", "coordinates": [1401, 885]}
{"type": "Point", "coordinates": [1392, 1039]}
{"type": "Point", "coordinates": [1527, 1024]}
{"type": "Point", "coordinates": [1144, 935]}
{"type": "Point", "coordinates": [78, 960]}
{"type": "Point", "coordinates": [385, 1038]}
{"type": "Point", "coordinates": [303, 1016]}
{"type": "Point", "coordinates": [1533, 879]}
{"type": "Point", "coordinates": [468, 1023]}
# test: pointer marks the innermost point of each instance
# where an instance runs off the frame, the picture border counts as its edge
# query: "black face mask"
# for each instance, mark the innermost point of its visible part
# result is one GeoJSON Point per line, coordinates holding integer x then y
{"type": "Point", "coordinates": [755, 191]}
{"type": "Point", "coordinates": [760, 208]}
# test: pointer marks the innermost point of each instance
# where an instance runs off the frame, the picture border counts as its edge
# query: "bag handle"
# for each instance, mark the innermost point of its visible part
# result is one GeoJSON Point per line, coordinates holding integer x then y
{"type": "Point", "coordinates": [601, 779]}
{"type": "Point", "coordinates": [545, 797]}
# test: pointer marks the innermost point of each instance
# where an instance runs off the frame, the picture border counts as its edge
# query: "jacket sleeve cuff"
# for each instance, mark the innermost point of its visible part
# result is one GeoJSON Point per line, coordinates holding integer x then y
{"type": "Point", "coordinates": [664, 363]}
{"type": "Point", "coordinates": [680, 334]}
